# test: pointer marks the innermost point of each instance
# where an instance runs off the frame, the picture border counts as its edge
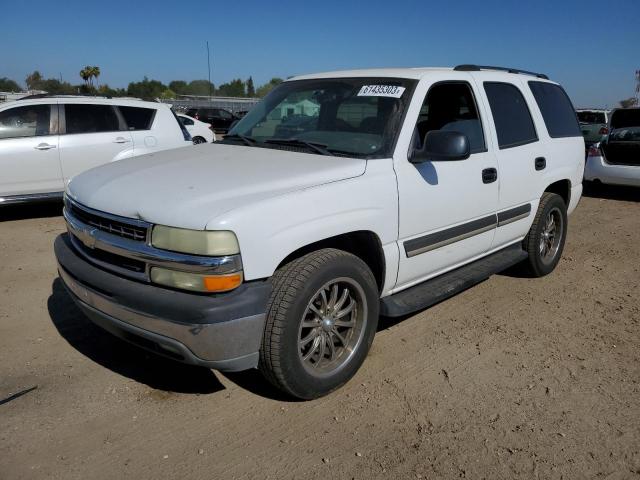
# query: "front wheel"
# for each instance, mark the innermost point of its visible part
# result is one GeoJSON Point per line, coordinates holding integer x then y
{"type": "Point", "coordinates": [321, 320]}
{"type": "Point", "coordinates": [545, 241]}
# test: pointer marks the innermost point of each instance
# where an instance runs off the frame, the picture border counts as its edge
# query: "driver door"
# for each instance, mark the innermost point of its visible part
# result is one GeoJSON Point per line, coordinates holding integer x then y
{"type": "Point", "coordinates": [447, 209]}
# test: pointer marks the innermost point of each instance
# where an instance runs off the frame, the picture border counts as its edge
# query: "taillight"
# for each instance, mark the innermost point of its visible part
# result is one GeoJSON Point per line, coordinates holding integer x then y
{"type": "Point", "coordinates": [603, 131]}
{"type": "Point", "coordinates": [594, 151]}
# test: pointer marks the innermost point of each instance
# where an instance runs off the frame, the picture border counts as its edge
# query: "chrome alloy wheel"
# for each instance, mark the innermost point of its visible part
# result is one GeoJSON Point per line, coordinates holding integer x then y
{"type": "Point", "coordinates": [551, 235]}
{"type": "Point", "coordinates": [332, 327]}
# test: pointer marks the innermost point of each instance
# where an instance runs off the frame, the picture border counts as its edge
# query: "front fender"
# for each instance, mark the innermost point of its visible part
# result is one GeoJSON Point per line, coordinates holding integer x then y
{"type": "Point", "coordinates": [269, 230]}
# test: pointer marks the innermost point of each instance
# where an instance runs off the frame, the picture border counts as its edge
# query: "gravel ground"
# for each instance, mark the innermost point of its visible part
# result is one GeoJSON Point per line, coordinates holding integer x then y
{"type": "Point", "coordinates": [514, 378]}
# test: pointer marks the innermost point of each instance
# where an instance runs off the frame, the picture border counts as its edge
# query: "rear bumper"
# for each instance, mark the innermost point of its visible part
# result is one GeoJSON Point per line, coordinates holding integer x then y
{"type": "Point", "coordinates": [220, 331]}
{"type": "Point", "coordinates": [596, 168]}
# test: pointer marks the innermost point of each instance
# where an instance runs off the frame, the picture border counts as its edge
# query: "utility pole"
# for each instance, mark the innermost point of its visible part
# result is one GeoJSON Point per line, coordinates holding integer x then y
{"type": "Point", "coordinates": [209, 67]}
{"type": "Point", "coordinates": [637, 88]}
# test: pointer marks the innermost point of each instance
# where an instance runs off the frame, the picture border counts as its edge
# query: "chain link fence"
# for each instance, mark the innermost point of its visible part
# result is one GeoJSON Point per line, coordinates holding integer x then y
{"type": "Point", "coordinates": [233, 104]}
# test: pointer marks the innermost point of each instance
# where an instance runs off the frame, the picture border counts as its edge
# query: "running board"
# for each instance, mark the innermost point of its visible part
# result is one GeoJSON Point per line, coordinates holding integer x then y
{"type": "Point", "coordinates": [435, 290]}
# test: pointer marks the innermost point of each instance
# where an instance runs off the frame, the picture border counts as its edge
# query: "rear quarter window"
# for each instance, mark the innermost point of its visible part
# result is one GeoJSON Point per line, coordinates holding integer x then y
{"type": "Point", "coordinates": [556, 109]}
{"type": "Point", "coordinates": [138, 118]}
{"type": "Point", "coordinates": [511, 115]}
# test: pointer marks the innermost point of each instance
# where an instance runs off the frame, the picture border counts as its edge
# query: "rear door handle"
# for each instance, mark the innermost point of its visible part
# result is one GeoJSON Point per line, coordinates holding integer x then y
{"type": "Point", "coordinates": [44, 146]}
{"type": "Point", "coordinates": [489, 175]}
{"type": "Point", "coordinates": [540, 163]}
{"type": "Point", "coordinates": [121, 140]}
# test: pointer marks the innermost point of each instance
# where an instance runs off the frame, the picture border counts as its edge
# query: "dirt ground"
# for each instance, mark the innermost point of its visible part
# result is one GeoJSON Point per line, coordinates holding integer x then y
{"type": "Point", "coordinates": [514, 378]}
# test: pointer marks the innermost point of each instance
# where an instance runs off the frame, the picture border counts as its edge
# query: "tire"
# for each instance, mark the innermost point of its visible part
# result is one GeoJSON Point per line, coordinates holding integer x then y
{"type": "Point", "coordinates": [545, 255]}
{"type": "Point", "coordinates": [198, 140]}
{"type": "Point", "coordinates": [299, 331]}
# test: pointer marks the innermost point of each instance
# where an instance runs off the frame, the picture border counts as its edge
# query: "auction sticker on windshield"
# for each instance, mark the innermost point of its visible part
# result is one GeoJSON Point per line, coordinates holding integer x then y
{"type": "Point", "coordinates": [381, 91]}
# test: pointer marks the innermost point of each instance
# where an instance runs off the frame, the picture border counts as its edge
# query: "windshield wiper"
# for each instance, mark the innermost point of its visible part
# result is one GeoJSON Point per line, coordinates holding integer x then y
{"type": "Point", "coordinates": [321, 148]}
{"type": "Point", "coordinates": [248, 141]}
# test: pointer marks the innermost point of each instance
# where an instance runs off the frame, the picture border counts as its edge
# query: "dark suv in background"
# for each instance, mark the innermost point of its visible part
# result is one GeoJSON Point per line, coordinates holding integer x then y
{"type": "Point", "coordinates": [219, 118]}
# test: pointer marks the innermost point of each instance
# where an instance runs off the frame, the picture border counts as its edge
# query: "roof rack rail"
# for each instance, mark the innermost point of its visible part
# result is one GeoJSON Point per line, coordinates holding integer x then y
{"type": "Point", "coordinates": [477, 68]}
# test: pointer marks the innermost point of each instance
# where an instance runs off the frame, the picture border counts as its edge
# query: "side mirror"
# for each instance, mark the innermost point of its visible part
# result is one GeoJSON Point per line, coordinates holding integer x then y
{"type": "Point", "coordinates": [440, 145]}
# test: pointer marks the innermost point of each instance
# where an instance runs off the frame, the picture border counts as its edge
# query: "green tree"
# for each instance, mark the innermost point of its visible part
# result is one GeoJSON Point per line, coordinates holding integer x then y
{"type": "Point", "coordinates": [146, 89]}
{"type": "Point", "coordinates": [235, 88]}
{"type": "Point", "coordinates": [56, 87]}
{"type": "Point", "coordinates": [267, 87]}
{"type": "Point", "coordinates": [168, 93]}
{"type": "Point", "coordinates": [33, 80]}
{"type": "Point", "coordinates": [95, 72]}
{"type": "Point", "coordinates": [107, 91]}
{"type": "Point", "coordinates": [200, 87]}
{"type": "Point", "coordinates": [178, 86]}
{"type": "Point", "coordinates": [8, 85]}
{"type": "Point", "coordinates": [251, 89]}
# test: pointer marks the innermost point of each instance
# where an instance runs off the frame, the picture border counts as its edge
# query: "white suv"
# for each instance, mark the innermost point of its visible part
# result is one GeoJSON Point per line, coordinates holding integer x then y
{"type": "Point", "coordinates": [341, 196]}
{"type": "Point", "coordinates": [46, 141]}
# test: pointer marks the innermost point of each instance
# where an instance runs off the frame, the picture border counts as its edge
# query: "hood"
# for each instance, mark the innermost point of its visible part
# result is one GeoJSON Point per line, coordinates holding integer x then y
{"type": "Point", "coordinates": [188, 187]}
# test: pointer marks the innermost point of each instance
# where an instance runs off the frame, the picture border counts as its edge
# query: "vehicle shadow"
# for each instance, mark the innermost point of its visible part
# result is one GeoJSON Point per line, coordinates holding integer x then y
{"type": "Point", "coordinates": [122, 358]}
{"type": "Point", "coordinates": [35, 210]}
{"type": "Point", "coordinates": [611, 192]}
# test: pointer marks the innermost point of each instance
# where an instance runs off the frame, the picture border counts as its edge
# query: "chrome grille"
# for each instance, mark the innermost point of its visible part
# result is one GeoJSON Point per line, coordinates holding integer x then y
{"type": "Point", "coordinates": [109, 225]}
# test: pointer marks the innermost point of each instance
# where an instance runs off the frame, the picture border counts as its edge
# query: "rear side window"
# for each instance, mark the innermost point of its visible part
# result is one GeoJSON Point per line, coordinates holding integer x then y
{"type": "Point", "coordinates": [558, 113]}
{"type": "Point", "coordinates": [183, 129]}
{"type": "Point", "coordinates": [511, 115]}
{"type": "Point", "coordinates": [138, 118]}
{"type": "Point", "coordinates": [85, 118]}
{"type": "Point", "coordinates": [185, 120]}
{"type": "Point", "coordinates": [28, 121]}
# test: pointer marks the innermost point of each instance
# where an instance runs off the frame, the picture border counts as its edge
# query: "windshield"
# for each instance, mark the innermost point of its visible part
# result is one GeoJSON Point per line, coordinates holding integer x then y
{"type": "Point", "coordinates": [591, 117]}
{"type": "Point", "coordinates": [339, 116]}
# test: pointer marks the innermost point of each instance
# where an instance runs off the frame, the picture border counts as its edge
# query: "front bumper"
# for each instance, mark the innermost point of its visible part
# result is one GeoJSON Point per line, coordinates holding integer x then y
{"type": "Point", "coordinates": [220, 331]}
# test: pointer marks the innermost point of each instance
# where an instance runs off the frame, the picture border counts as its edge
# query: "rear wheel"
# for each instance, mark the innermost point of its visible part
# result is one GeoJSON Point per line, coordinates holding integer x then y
{"type": "Point", "coordinates": [198, 140]}
{"type": "Point", "coordinates": [321, 320]}
{"type": "Point", "coordinates": [545, 241]}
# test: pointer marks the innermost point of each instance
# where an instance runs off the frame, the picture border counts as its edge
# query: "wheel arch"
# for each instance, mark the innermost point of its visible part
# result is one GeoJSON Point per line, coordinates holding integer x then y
{"type": "Point", "coordinates": [562, 188]}
{"type": "Point", "coordinates": [364, 244]}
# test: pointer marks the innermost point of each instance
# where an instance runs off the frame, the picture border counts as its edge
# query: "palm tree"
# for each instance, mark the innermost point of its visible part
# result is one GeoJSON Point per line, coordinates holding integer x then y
{"type": "Point", "coordinates": [85, 75]}
{"type": "Point", "coordinates": [95, 72]}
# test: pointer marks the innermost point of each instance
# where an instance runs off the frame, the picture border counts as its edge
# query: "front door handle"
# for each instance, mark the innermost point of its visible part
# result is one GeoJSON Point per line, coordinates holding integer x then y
{"type": "Point", "coordinates": [489, 175]}
{"type": "Point", "coordinates": [121, 140]}
{"type": "Point", "coordinates": [44, 146]}
{"type": "Point", "coordinates": [540, 163]}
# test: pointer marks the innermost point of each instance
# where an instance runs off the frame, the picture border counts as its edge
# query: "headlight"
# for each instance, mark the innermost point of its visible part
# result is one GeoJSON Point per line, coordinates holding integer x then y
{"type": "Point", "coordinates": [195, 281]}
{"type": "Point", "coordinates": [195, 242]}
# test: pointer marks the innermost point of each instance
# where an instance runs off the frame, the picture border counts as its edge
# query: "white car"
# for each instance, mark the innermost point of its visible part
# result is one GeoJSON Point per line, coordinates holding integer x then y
{"type": "Point", "coordinates": [46, 141]}
{"type": "Point", "coordinates": [200, 132]}
{"type": "Point", "coordinates": [616, 160]}
{"type": "Point", "coordinates": [339, 197]}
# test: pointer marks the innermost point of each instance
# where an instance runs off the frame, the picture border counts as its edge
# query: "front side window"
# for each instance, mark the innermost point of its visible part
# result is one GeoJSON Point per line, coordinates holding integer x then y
{"type": "Point", "coordinates": [357, 117]}
{"type": "Point", "coordinates": [511, 115]}
{"type": "Point", "coordinates": [224, 114]}
{"type": "Point", "coordinates": [27, 121]}
{"type": "Point", "coordinates": [556, 109]}
{"type": "Point", "coordinates": [451, 107]}
{"type": "Point", "coordinates": [138, 118]}
{"type": "Point", "coordinates": [86, 118]}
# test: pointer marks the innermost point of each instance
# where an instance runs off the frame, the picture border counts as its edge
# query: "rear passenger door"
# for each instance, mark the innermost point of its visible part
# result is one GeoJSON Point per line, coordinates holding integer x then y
{"type": "Point", "coordinates": [91, 135]}
{"type": "Point", "coordinates": [518, 151]}
{"type": "Point", "coordinates": [139, 121]}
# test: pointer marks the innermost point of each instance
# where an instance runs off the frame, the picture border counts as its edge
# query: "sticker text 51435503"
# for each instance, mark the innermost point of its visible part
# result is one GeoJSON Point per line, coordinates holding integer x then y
{"type": "Point", "coordinates": [381, 91]}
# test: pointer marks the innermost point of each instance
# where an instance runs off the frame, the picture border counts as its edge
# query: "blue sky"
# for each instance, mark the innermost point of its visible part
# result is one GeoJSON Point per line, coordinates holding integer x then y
{"type": "Point", "coordinates": [591, 47]}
